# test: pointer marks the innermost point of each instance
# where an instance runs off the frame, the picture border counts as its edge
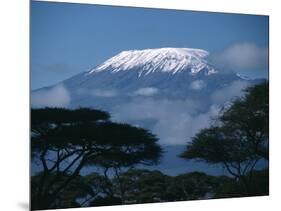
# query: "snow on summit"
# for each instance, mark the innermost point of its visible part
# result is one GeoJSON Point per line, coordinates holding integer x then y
{"type": "Point", "coordinates": [172, 60]}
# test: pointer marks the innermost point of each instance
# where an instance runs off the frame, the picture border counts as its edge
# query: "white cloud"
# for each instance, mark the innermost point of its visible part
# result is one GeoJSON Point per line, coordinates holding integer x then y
{"type": "Point", "coordinates": [103, 93]}
{"type": "Point", "coordinates": [235, 89]}
{"type": "Point", "coordinates": [176, 121]}
{"type": "Point", "coordinates": [147, 91]}
{"type": "Point", "coordinates": [243, 57]}
{"type": "Point", "coordinates": [179, 129]}
{"type": "Point", "coordinates": [57, 96]}
{"type": "Point", "coordinates": [197, 85]}
{"type": "Point", "coordinates": [97, 92]}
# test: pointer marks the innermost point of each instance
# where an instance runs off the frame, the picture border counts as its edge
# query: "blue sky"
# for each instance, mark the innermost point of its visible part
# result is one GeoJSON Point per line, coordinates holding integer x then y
{"type": "Point", "coordinates": [70, 38]}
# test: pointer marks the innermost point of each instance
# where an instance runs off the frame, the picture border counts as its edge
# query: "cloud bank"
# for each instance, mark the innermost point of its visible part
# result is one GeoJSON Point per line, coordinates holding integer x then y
{"type": "Point", "coordinates": [235, 89]}
{"type": "Point", "coordinates": [197, 85]}
{"type": "Point", "coordinates": [98, 92]}
{"type": "Point", "coordinates": [57, 96]}
{"type": "Point", "coordinates": [146, 91]}
{"type": "Point", "coordinates": [103, 93]}
{"type": "Point", "coordinates": [243, 57]}
{"type": "Point", "coordinates": [175, 122]}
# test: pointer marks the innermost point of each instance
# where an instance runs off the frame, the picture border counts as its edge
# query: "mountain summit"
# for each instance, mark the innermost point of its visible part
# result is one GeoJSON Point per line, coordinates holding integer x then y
{"type": "Point", "coordinates": [170, 60]}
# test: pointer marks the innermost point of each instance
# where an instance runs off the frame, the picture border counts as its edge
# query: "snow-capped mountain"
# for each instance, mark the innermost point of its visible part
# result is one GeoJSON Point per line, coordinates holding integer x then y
{"type": "Point", "coordinates": [162, 73]}
{"type": "Point", "coordinates": [172, 60]}
{"type": "Point", "coordinates": [174, 92]}
{"type": "Point", "coordinates": [166, 73]}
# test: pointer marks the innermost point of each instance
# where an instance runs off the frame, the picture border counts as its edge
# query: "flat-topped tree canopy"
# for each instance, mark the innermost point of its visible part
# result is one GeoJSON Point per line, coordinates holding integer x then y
{"type": "Point", "coordinates": [125, 145]}
{"type": "Point", "coordinates": [63, 115]}
{"type": "Point", "coordinates": [113, 143]}
{"type": "Point", "coordinates": [110, 142]}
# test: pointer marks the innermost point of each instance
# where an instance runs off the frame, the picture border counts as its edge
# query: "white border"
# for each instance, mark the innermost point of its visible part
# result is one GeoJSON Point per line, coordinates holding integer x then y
{"type": "Point", "coordinates": [14, 42]}
{"type": "Point", "coordinates": [233, 6]}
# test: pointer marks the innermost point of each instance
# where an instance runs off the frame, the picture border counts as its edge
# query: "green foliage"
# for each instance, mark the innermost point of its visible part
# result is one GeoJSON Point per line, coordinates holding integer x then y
{"type": "Point", "coordinates": [105, 201]}
{"type": "Point", "coordinates": [249, 118]}
{"type": "Point", "coordinates": [190, 186]}
{"type": "Point", "coordinates": [141, 186]}
{"type": "Point", "coordinates": [145, 186]}
{"type": "Point", "coordinates": [239, 139]}
{"type": "Point", "coordinates": [228, 187]}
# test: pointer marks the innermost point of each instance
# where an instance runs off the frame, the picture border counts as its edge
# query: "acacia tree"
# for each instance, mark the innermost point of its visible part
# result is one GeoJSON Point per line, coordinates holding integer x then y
{"type": "Point", "coordinates": [122, 156]}
{"type": "Point", "coordinates": [239, 138]}
{"type": "Point", "coordinates": [65, 141]}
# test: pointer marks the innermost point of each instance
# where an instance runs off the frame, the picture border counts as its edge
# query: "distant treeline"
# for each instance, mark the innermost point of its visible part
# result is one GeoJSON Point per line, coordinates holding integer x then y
{"type": "Point", "coordinates": [65, 141]}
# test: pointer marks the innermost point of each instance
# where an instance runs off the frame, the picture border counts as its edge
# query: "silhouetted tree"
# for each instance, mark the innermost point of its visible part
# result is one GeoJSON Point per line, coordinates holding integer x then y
{"type": "Point", "coordinates": [138, 147]}
{"type": "Point", "coordinates": [78, 188]}
{"type": "Point", "coordinates": [239, 139]}
{"type": "Point", "coordinates": [227, 187]}
{"type": "Point", "coordinates": [65, 141]}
